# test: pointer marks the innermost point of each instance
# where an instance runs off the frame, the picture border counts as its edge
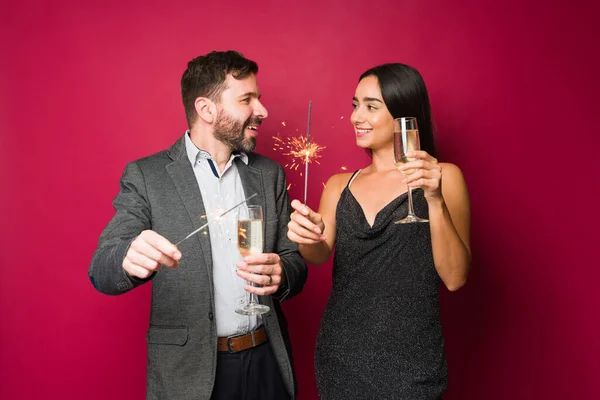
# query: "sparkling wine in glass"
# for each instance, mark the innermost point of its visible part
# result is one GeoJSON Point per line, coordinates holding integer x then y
{"type": "Point", "coordinates": [250, 241]}
{"type": "Point", "coordinates": [406, 139]}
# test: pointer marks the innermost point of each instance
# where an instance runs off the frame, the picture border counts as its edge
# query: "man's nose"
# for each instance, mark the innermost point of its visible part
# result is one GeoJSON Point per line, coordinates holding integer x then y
{"type": "Point", "coordinates": [260, 110]}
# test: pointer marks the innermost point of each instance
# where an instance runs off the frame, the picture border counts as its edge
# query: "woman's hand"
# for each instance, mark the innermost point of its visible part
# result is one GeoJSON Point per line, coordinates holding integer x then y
{"type": "Point", "coordinates": [305, 226]}
{"type": "Point", "coordinates": [427, 174]}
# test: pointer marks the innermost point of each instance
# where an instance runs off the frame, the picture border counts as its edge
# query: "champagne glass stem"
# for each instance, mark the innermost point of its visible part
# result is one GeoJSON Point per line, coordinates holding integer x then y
{"type": "Point", "coordinates": [253, 299]}
{"type": "Point", "coordinates": [411, 211]}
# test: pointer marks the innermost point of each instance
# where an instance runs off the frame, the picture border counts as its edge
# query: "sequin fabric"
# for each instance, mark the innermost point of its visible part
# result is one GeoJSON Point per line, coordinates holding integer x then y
{"type": "Point", "coordinates": [380, 335]}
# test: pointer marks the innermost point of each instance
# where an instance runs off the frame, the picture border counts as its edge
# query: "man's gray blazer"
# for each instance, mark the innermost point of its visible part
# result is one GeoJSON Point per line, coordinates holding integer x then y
{"type": "Point", "coordinates": [160, 192]}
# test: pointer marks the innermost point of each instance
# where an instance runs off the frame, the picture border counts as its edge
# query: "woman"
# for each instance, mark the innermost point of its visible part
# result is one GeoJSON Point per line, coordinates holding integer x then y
{"type": "Point", "coordinates": [380, 334]}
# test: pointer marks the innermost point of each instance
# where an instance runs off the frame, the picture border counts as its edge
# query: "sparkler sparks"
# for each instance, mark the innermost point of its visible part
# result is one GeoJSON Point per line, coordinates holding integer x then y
{"type": "Point", "coordinates": [218, 217]}
{"type": "Point", "coordinates": [298, 150]}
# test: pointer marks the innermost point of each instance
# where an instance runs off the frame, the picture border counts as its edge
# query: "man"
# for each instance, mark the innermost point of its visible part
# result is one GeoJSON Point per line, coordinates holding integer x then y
{"type": "Point", "coordinates": [198, 346]}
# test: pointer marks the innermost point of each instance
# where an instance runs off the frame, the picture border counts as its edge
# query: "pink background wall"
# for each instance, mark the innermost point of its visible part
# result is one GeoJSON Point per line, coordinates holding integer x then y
{"type": "Point", "coordinates": [87, 86]}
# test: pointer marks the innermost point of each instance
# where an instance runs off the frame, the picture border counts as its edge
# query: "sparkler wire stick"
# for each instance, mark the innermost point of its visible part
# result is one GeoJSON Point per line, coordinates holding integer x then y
{"type": "Point", "coordinates": [216, 219]}
{"type": "Point", "coordinates": [306, 156]}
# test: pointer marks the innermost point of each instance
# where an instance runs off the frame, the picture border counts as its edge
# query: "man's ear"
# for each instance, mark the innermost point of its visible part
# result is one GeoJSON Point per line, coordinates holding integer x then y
{"type": "Point", "coordinates": [206, 109]}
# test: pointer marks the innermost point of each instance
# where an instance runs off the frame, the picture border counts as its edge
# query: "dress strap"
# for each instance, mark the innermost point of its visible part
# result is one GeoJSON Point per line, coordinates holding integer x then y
{"type": "Point", "coordinates": [354, 175]}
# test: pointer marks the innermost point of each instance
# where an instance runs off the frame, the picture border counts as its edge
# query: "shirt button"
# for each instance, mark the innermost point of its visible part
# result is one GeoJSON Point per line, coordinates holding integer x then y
{"type": "Point", "coordinates": [211, 316]}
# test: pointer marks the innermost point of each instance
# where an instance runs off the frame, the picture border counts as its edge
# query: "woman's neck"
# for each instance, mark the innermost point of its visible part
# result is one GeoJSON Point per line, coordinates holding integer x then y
{"type": "Point", "coordinates": [383, 160]}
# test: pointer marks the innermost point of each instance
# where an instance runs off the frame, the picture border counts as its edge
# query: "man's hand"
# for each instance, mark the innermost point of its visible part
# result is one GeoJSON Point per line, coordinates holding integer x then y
{"type": "Point", "coordinates": [264, 269]}
{"type": "Point", "coordinates": [148, 253]}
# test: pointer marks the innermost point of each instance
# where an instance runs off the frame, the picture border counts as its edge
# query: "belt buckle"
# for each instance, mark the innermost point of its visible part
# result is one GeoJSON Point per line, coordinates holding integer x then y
{"type": "Point", "coordinates": [230, 350]}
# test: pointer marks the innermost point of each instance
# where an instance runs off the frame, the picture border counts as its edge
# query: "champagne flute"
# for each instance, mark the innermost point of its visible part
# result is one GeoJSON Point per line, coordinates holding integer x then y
{"type": "Point", "coordinates": [250, 241]}
{"type": "Point", "coordinates": [406, 139]}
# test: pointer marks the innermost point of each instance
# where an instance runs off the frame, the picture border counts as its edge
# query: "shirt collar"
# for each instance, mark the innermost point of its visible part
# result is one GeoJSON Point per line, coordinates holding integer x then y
{"type": "Point", "coordinates": [195, 154]}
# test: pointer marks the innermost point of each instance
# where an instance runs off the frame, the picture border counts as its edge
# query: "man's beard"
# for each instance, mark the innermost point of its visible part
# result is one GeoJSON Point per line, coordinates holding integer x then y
{"type": "Point", "coordinates": [233, 132]}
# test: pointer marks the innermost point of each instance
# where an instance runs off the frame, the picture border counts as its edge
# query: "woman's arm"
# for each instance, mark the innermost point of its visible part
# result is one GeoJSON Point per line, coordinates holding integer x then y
{"type": "Point", "coordinates": [315, 232]}
{"type": "Point", "coordinates": [449, 215]}
{"type": "Point", "coordinates": [449, 220]}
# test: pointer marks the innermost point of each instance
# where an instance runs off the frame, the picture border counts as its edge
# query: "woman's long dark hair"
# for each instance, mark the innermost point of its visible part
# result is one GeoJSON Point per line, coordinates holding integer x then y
{"type": "Point", "coordinates": [405, 95]}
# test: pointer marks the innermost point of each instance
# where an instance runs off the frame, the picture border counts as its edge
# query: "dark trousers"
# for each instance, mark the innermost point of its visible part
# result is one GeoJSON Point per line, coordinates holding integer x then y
{"type": "Point", "coordinates": [251, 374]}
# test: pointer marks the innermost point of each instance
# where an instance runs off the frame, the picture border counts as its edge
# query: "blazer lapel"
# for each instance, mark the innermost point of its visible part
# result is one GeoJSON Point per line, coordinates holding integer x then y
{"type": "Point", "coordinates": [252, 182]}
{"type": "Point", "coordinates": [185, 181]}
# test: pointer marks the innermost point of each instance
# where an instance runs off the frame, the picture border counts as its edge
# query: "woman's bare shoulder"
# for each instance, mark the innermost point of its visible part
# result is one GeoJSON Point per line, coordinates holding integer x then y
{"type": "Point", "coordinates": [453, 181]}
{"type": "Point", "coordinates": [451, 171]}
{"type": "Point", "coordinates": [336, 183]}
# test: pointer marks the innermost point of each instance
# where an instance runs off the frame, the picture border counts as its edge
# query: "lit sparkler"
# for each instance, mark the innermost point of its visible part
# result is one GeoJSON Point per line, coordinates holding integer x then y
{"type": "Point", "coordinates": [216, 219]}
{"type": "Point", "coordinates": [301, 151]}
{"type": "Point", "coordinates": [298, 150]}
{"type": "Point", "coordinates": [306, 155]}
